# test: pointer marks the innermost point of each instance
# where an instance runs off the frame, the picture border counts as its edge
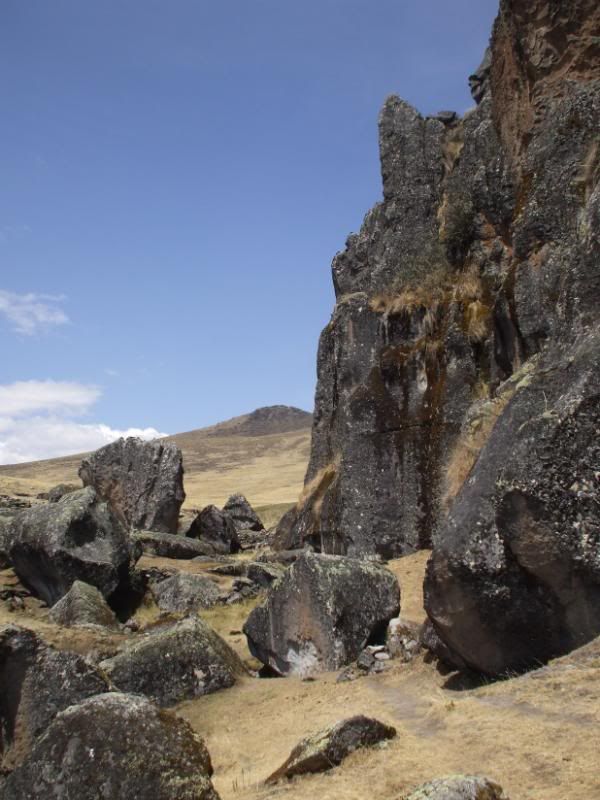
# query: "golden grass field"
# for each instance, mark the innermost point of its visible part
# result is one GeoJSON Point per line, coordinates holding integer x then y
{"type": "Point", "coordinates": [235, 456]}
{"type": "Point", "coordinates": [536, 735]}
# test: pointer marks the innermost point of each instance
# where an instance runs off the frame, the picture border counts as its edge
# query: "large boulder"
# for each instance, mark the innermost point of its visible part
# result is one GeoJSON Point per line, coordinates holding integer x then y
{"type": "Point", "coordinates": [77, 538]}
{"type": "Point", "coordinates": [184, 593]}
{"type": "Point", "coordinates": [170, 545]}
{"type": "Point", "coordinates": [115, 746]}
{"type": "Point", "coordinates": [178, 662]}
{"type": "Point", "coordinates": [36, 682]}
{"type": "Point", "coordinates": [142, 481]}
{"type": "Point", "coordinates": [515, 579]}
{"type": "Point", "coordinates": [322, 613]}
{"type": "Point", "coordinates": [248, 524]}
{"type": "Point", "coordinates": [329, 747]}
{"type": "Point", "coordinates": [215, 529]}
{"type": "Point", "coordinates": [83, 605]}
{"type": "Point", "coordinates": [60, 490]}
{"type": "Point", "coordinates": [458, 787]}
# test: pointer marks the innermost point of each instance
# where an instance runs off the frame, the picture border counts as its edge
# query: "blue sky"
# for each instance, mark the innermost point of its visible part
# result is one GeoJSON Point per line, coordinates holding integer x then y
{"type": "Point", "coordinates": [175, 178]}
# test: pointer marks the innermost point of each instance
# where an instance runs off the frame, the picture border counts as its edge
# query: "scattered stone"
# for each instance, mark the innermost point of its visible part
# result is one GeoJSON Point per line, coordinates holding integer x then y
{"type": "Point", "coordinates": [77, 538]}
{"type": "Point", "coordinates": [36, 682]}
{"type": "Point", "coordinates": [321, 614]}
{"type": "Point", "coordinates": [177, 662]}
{"type": "Point", "coordinates": [458, 787]}
{"type": "Point", "coordinates": [83, 605]}
{"type": "Point", "coordinates": [184, 593]}
{"type": "Point", "coordinates": [168, 545]}
{"type": "Point", "coordinates": [264, 574]}
{"type": "Point", "coordinates": [215, 530]}
{"type": "Point", "coordinates": [403, 639]}
{"type": "Point", "coordinates": [330, 746]}
{"type": "Point", "coordinates": [115, 746]}
{"type": "Point", "coordinates": [142, 481]}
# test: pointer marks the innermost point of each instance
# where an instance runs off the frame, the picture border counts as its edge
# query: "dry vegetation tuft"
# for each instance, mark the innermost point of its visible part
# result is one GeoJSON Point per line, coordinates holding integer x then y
{"type": "Point", "coordinates": [315, 490]}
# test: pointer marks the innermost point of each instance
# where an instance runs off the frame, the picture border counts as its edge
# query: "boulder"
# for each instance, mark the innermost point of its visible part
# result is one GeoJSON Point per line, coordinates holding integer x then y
{"type": "Point", "coordinates": [142, 481]}
{"type": "Point", "coordinates": [83, 605]}
{"type": "Point", "coordinates": [322, 613]}
{"type": "Point", "coordinates": [54, 495]}
{"type": "Point", "coordinates": [115, 746]}
{"type": "Point", "coordinates": [515, 579]}
{"type": "Point", "coordinates": [243, 515]}
{"type": "Point", "coordinates": [177, 662]}
{"type": "Point", "coordinates": [330, 746]}
{"type": "Point", "coordinates": [169, 545]}
{"type": "Point", "coordinates": [77, 538]}
{"type": "Point", "coordinates": [403, 639]}
{"type": "Point", "coordinates": [458, 787]}
{"type": "Point", "coordinates": [215, 530]}
{"type": "Point", "coordinates": [185, 593]}
{"type": "Point", "coordinates": [264, 574]}
{"type": "Point", "coordinates": [36, 682]}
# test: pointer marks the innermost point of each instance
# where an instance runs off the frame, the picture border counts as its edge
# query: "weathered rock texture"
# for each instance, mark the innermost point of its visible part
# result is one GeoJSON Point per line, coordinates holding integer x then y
{"type": "Point", "coordinates": [459, 372]}
{"type": "Point", "coordinates": [83, 605]}
{"type": "Point", "coordinates": [115, 746]}
{"type": "Point", "coordinates": [170, 545]}
{"type": "Point", "coordinates": [458, 787]}
{"type": "Point", "coordinates": [329, 747]}
{"type": "Point", "coordinates": [36, 682]}
{"type": "Point", "coordinates": [215, 530]}
{"type": "Point", "coordinates": [77, 538]}
{"type": "Point", "coordinates": [183, 593]}
{"type": "Point", "coordinates": [178, 662]}
{"type": "Point", "coordinates": [321, 614]}
{"type": "Point", "coordinates": [142, 481]}
{"type": "Point", "coordinates": [483, 249]}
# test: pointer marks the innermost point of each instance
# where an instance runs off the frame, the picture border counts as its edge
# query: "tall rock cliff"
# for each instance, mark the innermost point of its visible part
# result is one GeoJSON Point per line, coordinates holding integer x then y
{"type": "Point", "coordinates": [456, 402]}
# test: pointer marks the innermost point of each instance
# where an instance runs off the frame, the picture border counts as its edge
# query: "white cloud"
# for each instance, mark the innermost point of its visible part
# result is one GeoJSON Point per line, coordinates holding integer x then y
{"type": "Point", "coordinates": [32, 313]}
{"type": "Point", "coordinates": [36, 421]}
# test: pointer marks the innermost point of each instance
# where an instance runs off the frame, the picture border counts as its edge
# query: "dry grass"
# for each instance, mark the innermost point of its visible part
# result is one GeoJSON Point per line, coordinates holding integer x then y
{"type": "Point", "coordinates": [315, 490]}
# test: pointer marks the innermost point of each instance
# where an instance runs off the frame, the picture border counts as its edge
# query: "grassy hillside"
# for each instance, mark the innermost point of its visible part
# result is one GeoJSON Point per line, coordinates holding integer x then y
{"type": "Point", "coordinates": [262, 454]}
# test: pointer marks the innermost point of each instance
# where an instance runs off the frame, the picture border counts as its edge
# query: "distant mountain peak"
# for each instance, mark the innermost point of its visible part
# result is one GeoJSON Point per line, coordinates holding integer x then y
{"type": "Point", "coordinates": [264, 421]}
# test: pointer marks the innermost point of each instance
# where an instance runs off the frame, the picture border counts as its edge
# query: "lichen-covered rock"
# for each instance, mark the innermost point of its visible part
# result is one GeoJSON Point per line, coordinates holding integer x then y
{"type": "Point", "coordinates": [264, 574]}
{"type": "Point", "coordinates": [515, 580]}
{"type": "Point", "coordinates": [60, 490]}
{"type": "Point", "coordinates": [184, 593]}
{"type": "Point", "coordinates": [458, 787]}
{"type": "Point", "coordinates": [169, 545]}
{"type": "Point", "coordinates": [142, 481]}
{"type": "Point", "coordinates": [177, 662]}
{"type": "Point", "coordinates": [403, 639]}
{"type": "Point", "coordinates": [36, 682]}
{"type": "Point", "coordinates": [215, 530]}
{"type": "Point", "coordinates": [329, 747]}
{"type": "Point", "coordinates": [114, 746]}
{"type": "Point", "coordinates": [83, 605]}
{"type": "Point", "coordinates": [321, 614]}
{"type": "Point", "coordinates": [77, 538]}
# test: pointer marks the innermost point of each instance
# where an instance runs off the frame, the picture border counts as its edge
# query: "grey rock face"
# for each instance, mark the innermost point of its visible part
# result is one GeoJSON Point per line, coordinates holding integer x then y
{"type": "Point", "coordinates": [61, 490]}
{"type": "Point", "coordinates": [321, 614]}
{"type": "Point", "coordinates": [83, 605]}
{"type": "Point", "coordinates": [329, 747]}
{"type": "Point", "coordinates": [77, 538]}
{"type": "Point", "coordinates": [115, 746]}
{"type": "Point", "coordinates": [479, 81]}
{"type": "Point", "coordinates": [215, 530]}
{"type": "Point", "coordinates": [142, 481]}
{"type": "Point", "coordinates": [36, 682]}
{"type": "Point", "coordinates": [169, 545]}
{"type": "Point", "coordinates": [458, 787]}
{"type": "Point", "coordinates": [264, 574]}
{"type": "Point", "coordinates": [183, 593]}
{"type": "Point", "coordinates": [243, 515]}
{"type": "Point", "coordinates": [178, 662]}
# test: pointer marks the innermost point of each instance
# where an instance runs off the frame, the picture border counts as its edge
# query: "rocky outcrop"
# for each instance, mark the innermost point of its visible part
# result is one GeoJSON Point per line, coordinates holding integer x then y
{"type": "Point", "coordinates": [458, 787]}
{"type": "Point", "coordinates": [115, 746]}
{"type": "Point", "coordinates": [321, 614]}
{"type": "Point", "coordinates": [142, 482]}
{"type": "Point", "coordinates": [83, 605]}
{"type": "Point", "coordinates": [176, 662]}
{"type": "Point", "coordinates": [184, 593]}
{"type": "Point", "coordinates": [77, 538]}
{"type": "Point", "coordinates": [329, 747]}
{"type": "Point", "coordinates": [36, 682]}
{"type": "Point", "coordinates": [250, 530]}
{"type": "Point", "coordinates": [215, 530]}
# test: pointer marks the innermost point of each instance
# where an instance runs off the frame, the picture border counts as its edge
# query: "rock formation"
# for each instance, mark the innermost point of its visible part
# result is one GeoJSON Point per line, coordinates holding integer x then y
{"type": "Point", "coordinates": [115, 746]}
{"type": "Point", "coordinates": [176, 662]}
{"type": "Point", "coordinates": [77, 538]}
{"type": "Point", "coordinates": [215, 530]}
{"type": "Point", "coordinates": [457, 397]}
{"type": "Point", "coordinates": [142, 481]}
{"type": "Point", "coordinates": [184, 593]}
{"type": "Point", "coordinates": [321, 614]}
{"type": "Point", "coordinates": [83, 605]}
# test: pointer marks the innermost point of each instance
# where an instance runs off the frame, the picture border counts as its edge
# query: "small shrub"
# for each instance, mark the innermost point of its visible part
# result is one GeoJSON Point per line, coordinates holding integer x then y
{"type": "Point", "coordinates": [458, 227]}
